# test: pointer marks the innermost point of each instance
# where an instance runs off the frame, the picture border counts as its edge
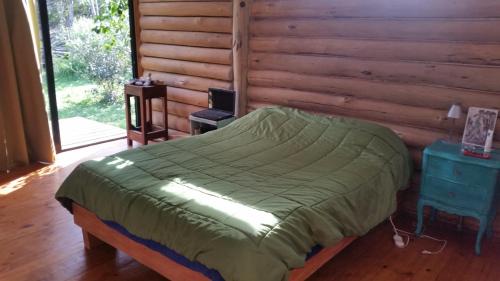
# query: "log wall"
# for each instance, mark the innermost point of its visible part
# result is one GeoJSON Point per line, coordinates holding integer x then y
{"type": "Point", "coordinates": [398, 63]}
{"type": "Point", "coordinates": [187, 45]}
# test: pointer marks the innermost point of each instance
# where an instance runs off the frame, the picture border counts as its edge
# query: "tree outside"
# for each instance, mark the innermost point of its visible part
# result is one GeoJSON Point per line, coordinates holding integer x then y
{"type": "Point", "coordinates": [91, 56]}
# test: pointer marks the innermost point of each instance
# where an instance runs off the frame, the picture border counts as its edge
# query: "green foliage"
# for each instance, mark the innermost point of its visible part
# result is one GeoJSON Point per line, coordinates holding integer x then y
{"type": "Point", "coordinates": [90, 49]}
{"type": "Point", "coordinates": [112, 114]}
{"type": "Point", "coordinates": [89, 55]}
{"type": "Point", "coordinates": [109, 92]}
{"type": "Point", "coordinates": [92, 59]}
{"type": "Point", "coordinates": [113, 19]}
{"type": "Point", "coordinates": [67, 68]}
{"type": "Point", "coordinates": [85, 99]}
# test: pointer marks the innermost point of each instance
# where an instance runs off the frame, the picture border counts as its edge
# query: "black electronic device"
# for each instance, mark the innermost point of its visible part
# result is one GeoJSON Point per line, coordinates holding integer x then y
{"type": "Point", "coordinates": [220, 113]}
{"type": "Point", "coordinates": [221, 99]}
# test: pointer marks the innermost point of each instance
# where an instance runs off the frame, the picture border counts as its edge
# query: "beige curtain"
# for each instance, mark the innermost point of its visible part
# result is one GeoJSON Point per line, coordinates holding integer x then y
{"type": "Point", "coordinates": [24, 129]}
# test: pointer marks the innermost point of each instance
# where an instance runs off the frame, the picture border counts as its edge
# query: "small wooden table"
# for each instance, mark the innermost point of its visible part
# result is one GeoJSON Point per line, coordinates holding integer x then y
{"type": "Point", "coordinates": [143, 96]}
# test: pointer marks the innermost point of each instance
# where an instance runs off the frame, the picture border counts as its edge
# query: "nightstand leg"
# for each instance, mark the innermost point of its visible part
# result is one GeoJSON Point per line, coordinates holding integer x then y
{"type": "Point", "coordinates": [165, 116]}
{"type": "Point", "coordinates": [420, 217]}
{"type": "Point", "coordinates": [460, 223]}
{"type": "Point", "coordinates": [483, 221]}
{"type": "Point", "coordinates": [489, 228]}
{"type": "Point", "coordinates": [433, 214]}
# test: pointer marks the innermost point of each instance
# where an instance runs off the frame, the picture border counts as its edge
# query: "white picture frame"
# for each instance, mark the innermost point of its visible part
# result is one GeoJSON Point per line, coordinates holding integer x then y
{"type": "Point", "coordinates": [479, 122]}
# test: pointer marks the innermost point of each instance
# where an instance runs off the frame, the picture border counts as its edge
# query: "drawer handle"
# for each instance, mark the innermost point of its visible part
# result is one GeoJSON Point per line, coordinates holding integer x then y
{"type": "Point", "coordinates": [451, 194]}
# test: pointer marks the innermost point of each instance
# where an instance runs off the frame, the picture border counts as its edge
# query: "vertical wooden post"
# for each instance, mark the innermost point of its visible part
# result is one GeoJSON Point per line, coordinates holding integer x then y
{"type": "Point", "coordinates": [165, 113]}
{"type": "Point", "coordinates": [128, 117]}
{"type": "Point", "coordinates": [144, 120]}
{"type": "Point", "coordinates": [241, 21]}
{"type": "Point", "coordinates": [137, 34]}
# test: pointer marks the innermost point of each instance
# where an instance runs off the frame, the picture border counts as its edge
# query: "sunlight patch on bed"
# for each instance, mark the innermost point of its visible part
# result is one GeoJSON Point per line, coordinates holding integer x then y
{"type": "Point", "coordinates": [120, 163]}
{"type": "Point", "coordinates": [252, 220]}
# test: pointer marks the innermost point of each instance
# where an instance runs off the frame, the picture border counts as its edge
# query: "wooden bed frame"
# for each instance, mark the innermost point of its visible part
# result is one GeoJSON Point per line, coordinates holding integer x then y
{"type": "Point", "coordinates": [96, 232]}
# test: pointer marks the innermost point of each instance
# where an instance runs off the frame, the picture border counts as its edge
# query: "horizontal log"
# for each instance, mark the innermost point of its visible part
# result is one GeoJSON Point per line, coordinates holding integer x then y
{"type": "Point", "coordinates": [185, 38]}
{"type": "Point", "coordinates": [194, 54]}
{"type": "Point", "coordinates": [450, 52]}
{"type": "Point", "coordinates": [406, 29]}
{"type": "Point", "coordinates": [351, 106]}
{"type": "Point", "coordinates": [415, 95]}
{"type": "Point", "coordinates": [362, 108]}
{"type": "Point", "coordinates": [179, 123]}
{"type": "Point", "coordinates": [377, 8]}
{"type": "Point", "coordinates": [214, 71]}
{"type": "Point", "coordinates": [412, 136]}
{"type": "Point", "coordinates": [204, 24]}
{"type": "Point", "coordinates": [416, 137]}
{"type": "Point", "coordinates": [452, 75]}
{"type": "Point", "coordinates": [182, 109]}
{"type": "Point", "coordinates": [187, 82]}
{"type": "Point", "coordinates": [187, 96]}
{"type": "Point", "coordinates": [187, 9]}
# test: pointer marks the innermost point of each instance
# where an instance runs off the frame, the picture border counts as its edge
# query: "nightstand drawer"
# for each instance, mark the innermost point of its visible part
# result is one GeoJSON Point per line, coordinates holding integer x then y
{"type": "Point", "coordinates": [456, 194]}
{"type": "Point", "coordinates": [460, 172]}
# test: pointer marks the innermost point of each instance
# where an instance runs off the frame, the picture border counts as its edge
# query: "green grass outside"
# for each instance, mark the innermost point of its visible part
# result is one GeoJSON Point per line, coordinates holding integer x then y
{"type": "Point", "coordinates": [75, 97]}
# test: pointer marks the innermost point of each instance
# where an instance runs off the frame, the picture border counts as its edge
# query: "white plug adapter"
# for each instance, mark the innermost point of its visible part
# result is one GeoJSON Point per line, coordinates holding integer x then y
{"type": "Point", "coordinates": [398, 241]}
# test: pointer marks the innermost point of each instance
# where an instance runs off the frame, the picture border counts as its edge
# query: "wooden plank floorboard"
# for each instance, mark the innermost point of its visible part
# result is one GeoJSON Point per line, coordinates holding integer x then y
{"type": "Point", "coordinates": [38, 241]}
{"type": "Point", "coordinates": [79, 131]}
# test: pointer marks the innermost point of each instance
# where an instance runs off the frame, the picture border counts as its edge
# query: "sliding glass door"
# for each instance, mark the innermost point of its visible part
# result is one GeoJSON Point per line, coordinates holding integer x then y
{"type": "Point", "coordinates": [88, 55]}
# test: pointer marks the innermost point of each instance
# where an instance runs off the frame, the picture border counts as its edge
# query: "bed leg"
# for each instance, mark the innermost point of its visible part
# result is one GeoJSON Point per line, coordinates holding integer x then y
{"type": "Point", "coordinates": [90, 241]}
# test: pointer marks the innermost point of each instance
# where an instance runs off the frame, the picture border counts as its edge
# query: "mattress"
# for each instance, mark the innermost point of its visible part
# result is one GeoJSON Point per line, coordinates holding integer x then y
{"type": "Point", "coordinates": [210, 273]}
{"type": "Point", "coordinates": [250, 200]}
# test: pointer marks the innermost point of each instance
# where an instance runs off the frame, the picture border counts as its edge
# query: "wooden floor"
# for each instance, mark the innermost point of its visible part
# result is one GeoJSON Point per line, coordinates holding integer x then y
{"type": "Point", "coordinates": [79, 131]}
{"type": "Point", "coordinates": [38, 241]}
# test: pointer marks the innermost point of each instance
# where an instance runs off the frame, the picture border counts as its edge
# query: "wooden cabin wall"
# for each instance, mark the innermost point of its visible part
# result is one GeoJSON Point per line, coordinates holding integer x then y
{"type": "Point", "coordinates": [398, 63]}
{"type": "Point", "coordinates": [187, 45]}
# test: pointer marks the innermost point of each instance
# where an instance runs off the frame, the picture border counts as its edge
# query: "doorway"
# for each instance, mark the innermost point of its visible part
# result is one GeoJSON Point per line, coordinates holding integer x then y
{"type": "Point", "coordinates": [88, 54]}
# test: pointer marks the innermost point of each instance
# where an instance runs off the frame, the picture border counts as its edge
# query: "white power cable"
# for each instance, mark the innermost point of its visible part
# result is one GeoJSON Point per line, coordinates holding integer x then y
{"type": "Point", "coordinates": [398, 240]}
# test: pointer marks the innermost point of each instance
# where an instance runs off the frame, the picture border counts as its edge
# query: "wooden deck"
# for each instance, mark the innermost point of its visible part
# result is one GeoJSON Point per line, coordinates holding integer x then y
{"type": "Point", "coordinates": [79, 131]}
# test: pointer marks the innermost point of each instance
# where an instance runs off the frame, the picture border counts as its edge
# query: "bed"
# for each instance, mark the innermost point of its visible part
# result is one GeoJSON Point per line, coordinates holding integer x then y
{"type": "Point", "coordinates": [275, 192]}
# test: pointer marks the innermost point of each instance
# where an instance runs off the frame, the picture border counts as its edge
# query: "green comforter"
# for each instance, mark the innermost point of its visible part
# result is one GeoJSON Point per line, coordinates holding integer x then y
{"type": "Point", "coordinates": [251, 199]}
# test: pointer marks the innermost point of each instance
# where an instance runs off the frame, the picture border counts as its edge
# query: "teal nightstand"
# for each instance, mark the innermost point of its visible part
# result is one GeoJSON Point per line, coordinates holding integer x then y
{"type": "Point", "coordinates": [460, 185]}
